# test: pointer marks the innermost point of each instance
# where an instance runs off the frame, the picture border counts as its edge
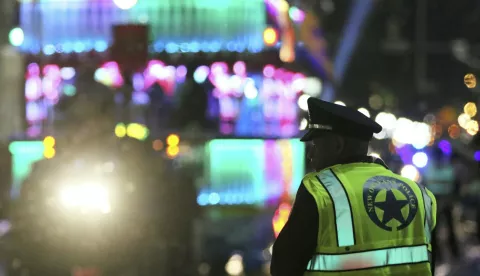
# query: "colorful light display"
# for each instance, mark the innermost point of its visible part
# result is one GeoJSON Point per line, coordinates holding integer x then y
{"type": "Point", "coordinates": [175, 26]}
{"type": "Point", "coordinates": [248, 104]}
{"type": "Point", "coordinates": [251, 171]}
{"type": "Point", "coordinates": [43, 89]}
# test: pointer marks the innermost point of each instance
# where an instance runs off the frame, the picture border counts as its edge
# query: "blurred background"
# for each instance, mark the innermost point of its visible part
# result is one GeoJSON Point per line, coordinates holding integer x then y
{"type": "Point", "coordinates": [143, 137]}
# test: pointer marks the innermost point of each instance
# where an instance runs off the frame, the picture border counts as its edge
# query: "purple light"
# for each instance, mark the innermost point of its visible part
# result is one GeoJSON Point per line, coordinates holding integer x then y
{"type": "Point", "coordinates": [268, 71]}
{"type": "Point", "coordinates": [181, 73]}
{"type": "Point", "coordinates": [33, 69]}
{"type": "Point", "coordinates": [445, 147]}
{"type": "Point", "coordinates": [476, 155]}
{"type": "Point", "coordinates": [239, 68]}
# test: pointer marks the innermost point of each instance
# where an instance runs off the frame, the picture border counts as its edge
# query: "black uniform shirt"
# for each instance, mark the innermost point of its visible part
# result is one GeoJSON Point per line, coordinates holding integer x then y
{"type": "Point", "coordinates": [297, 241]}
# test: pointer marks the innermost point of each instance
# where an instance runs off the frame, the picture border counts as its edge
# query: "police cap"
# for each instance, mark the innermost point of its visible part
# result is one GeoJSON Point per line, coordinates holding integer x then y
{"type": "Point", "coordinates": [329, 117]}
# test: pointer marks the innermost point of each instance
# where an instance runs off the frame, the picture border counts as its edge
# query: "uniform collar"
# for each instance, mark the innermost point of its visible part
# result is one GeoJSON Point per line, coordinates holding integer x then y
{"type": "Point", "coordinates": [365, 159]}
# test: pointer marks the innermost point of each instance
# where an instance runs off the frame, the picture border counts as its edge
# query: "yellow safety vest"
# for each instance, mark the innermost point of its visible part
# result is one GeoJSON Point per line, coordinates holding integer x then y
{"type": "Point", "coordinates": [370, 215]}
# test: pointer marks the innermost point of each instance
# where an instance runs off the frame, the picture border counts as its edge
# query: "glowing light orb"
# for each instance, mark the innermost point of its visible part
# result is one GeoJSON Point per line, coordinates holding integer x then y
{"type": "Point", "coordinates": [125, 4]}
{"type": "Point", "coordinates": [470, 80]}
{"type": "Point", "coordinates": [470, 109]}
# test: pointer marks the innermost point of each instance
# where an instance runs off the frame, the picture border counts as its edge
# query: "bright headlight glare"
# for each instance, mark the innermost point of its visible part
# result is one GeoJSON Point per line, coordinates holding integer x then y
{"type": "Point", "coordinates": [87, 197]}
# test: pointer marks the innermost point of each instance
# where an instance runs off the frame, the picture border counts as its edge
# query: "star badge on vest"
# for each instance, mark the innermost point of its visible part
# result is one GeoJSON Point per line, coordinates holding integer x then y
{"type": "Point", "coordinates": [389, 202]}
{"type": "Point", "coordinates": [329, 117]}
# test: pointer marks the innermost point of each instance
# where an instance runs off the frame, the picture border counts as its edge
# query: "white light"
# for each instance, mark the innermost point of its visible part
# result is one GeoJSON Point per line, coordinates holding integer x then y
{"type": "Point", "coordinates": [421, 135]}
{"type": "Point", "coordinates": [364, 111]}
{"type": "Point", "coordinates": [302, 102]}
{"type": "Point", "coordinates": [463, 120]}
{"type": "Point", "coordinates": [420, 159]}
{"type": "Point", "coordinates": [234, 266]}
{"type": "Point", "coordinates": [87, 197]}
{"type": "Point", "coordinates": [67, 73]}
{"type": "Point", "coordinates": [303, 124]}
{"type": "Point", "coordinates": [386, 120]}
{"type": "Point", "coordinates": [374, 154]}
{"type": "Point", "coordinates": [313, 87]}
{"type": "Point", "coordinates": [200, 74]}
{"type": "Point", "coordinates": [251, 92]}
{"type": "Point", "coordinates": [410, 172]}
{"type": "Point", "coordinates": [16, 37]}
{"type": "Point", "coordinates": [381, 135]}
{"type": "Point", "coordinates": [125, 4]}
{"type": "Point", "coordinates": [340, 103]}
{"type": "Point", "coordinates": [403, 131]}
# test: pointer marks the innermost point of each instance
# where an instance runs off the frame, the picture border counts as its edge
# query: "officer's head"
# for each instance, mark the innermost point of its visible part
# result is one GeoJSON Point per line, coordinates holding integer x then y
{"type": "Point", "coordinates": [337, 133]}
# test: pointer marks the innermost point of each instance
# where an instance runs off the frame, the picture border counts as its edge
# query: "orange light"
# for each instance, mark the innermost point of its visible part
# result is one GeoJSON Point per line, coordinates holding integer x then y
{"type": "Point", "coordinates": [49, 142]}
{"type": "Point", "coordinates": [172, 151]}
{"type": "Point", "coordinates": [270, 36]}
{"type": "Point", "coordinates": [173, 140]}
{"type": "Point", "coordinates": [157, 145]}
{"type": "Point", "coordinates": [281, 217]}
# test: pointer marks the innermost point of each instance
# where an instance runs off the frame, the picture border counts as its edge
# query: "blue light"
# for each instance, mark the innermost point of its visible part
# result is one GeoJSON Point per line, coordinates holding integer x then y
{"type": "Point", "coordinates": [477, 156]}
{"type": "Point", "coordinates": [445, 147]}
{"type": "Point", "coordinates": [101, 46]}
{"type": "Point", "coordinates": [202, 199]}
{"type": "Point", "coordinates": [195, 47]}
{"type": "Point", "coordinates": [214, 198]}
{"type": "Point", "coordinates": [158, 47]}
{"type": "Point", "coordinates": [171, 48]}
{"type": "Point", "coordinates": [78, 47]}
{"type": "Point", "coordinates": [49, 49]}
{"type": "Point", "coordinates": [67, 47]}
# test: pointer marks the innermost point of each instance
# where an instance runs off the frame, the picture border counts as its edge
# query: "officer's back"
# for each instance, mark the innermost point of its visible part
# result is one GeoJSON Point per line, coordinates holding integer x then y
{"type": "Point", "coordinates": [353, 215]}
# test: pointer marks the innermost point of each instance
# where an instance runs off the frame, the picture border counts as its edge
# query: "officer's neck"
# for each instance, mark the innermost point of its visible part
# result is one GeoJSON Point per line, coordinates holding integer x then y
{"type": "Point", "coordinates": [363, 158]}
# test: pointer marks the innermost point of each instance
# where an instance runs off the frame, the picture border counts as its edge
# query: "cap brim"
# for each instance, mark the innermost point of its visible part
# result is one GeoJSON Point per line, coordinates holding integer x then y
{"type": "Point", "coordinates": [311, 133]}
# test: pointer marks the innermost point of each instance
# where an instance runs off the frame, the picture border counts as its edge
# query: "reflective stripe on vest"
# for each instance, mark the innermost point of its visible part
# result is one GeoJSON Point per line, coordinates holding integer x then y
{"type": "Point", "coordinates": [371, 259]}
{"type": "Point", "coordinates": [427, 202]}
{"type": "Point", "coordinates": [341, 207]}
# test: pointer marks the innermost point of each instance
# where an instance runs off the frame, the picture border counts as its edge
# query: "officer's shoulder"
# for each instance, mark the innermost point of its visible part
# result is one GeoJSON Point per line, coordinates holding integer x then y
{"type": "Point", "coordinates": [312, 176]}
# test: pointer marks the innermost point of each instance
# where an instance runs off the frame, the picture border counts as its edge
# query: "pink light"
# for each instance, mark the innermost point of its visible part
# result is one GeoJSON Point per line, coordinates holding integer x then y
{"type": "Point", "coordinates": [32, 88]}
{"type": "Point", "coordinates": [219, 68]}
{"type": "Point", "coordinates": [181, 73]}
{"type": "Point", "coordinates": [51, 70]}
{"type": "Point", "coordinates": [33, 70]}
{"type": "Point", "coordinates": [268, 71]}
{"type": "Point", "coordinates": [240, 69]}
{"type": "Point", "coordinates": [113, 71]}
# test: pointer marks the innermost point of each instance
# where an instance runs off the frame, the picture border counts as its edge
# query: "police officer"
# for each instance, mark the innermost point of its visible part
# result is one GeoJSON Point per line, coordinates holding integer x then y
{"type": "Point", "coordinates": [353, 216]}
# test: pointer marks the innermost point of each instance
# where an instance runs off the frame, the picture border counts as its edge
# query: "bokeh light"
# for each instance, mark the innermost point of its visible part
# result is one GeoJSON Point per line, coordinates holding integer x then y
{"type": "Point", "coordinates": [410, 172]}
{"type": "Point", "coordinates": [470, 80]}
{"type": "Point", "coordinates": [173, 140]}
{"type": "Point", "coordinates": [470, 109]}
{"type": "Point", "coordinates": [16, 37]}
{"type": "Point", "coordinates": [234, 266]}
{"type": "Point", "coordinates": [364, 111]}
{"type": "Point", "coordinates": [340, 103]}
{"type": "Point", "coordinates": [472, 127]}
{"type": "Point", "coordinates": [420, 159]}
{"type": "Point", "coordinates": [463, 119]}
{"type": "Point", "coordinates": [125, 4]}
{"type": "Point", "coordinates": [270, 36]}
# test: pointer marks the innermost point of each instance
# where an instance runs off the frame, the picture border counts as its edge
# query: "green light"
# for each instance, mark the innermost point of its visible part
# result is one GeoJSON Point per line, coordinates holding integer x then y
{"type": "Point", "coordinates": [16, 37]}
{"type": "Point", "coordinates": [69, 90]}
{"type": "Point", "coordinates": [24, 155]}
